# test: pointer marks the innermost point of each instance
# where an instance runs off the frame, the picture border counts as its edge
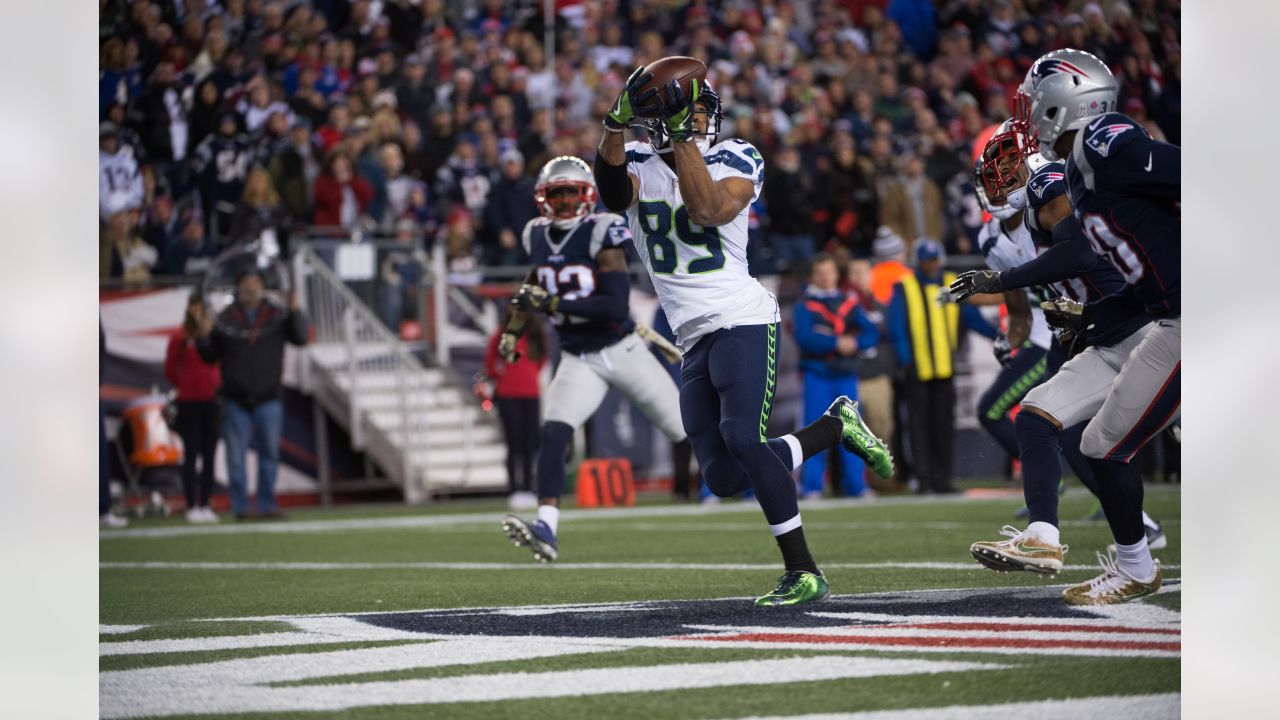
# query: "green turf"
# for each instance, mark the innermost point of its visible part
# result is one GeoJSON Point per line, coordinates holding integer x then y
{"type": "Point", "coordinates": [176, 603]}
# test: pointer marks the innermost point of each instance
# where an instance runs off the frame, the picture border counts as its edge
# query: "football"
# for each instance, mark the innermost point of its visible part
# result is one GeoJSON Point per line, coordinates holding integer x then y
{"type": "Point", "coordinates": [673, 67]}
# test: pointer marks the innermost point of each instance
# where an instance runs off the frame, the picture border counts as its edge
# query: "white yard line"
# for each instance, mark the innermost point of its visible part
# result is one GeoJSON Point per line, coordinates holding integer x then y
{"type": "Point", "coordinates": [119, 629]}
{"type": "Point", "coordinates": [431, 521]}
{"type": "Point", "coordinates": [184, 565]}
{"type": "Point", "coordinates": [1130, 707]}
{"type": "Point", "coordinates": [237, 686]}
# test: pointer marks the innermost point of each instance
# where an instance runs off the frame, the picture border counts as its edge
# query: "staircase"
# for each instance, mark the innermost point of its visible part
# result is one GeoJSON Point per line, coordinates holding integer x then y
{"type": "Point", "coordinates": [423, 428]}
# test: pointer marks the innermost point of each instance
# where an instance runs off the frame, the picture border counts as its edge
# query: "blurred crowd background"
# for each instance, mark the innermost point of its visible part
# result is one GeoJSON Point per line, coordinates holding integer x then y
{"type": "Point", "coordinates": [225, 121]}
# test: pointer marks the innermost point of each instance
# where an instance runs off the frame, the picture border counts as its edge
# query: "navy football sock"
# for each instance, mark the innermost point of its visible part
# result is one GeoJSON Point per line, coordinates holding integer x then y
{"type": "Point", "coordinates": [1041, 466]}
{"type": "Point", "coordinates": [1120, 492]}
{"type": "Point", "coordinates": [554, 440]}
{"type": "Point", "coordinates": [1069, 440]}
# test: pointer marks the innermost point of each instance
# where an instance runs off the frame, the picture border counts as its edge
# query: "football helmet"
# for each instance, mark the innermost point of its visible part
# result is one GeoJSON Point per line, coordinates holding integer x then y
{"type": "Point", "coordinates": [565, 191]}
{"type": "Point", "coordinates": [1061, 91]}
{"type": "Point", "coordinates": [998, 171]}
{"type": "Point", "coordinates": [710, 104]}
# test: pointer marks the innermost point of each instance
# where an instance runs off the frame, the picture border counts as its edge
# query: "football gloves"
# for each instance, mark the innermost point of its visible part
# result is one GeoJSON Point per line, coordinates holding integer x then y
{"type": "Point", "coordinates": [1002, 349]}
{"type": "Point", "coordinates": [678, 109]}
{"type": "Point", "coordinates": [973, 282]}
{"type": "Point", "coordinates": [623, 110]}
{"type": "Point", "coordinates": [1067, 319]}
{"type": "Point", "coordinates": [535, 298]}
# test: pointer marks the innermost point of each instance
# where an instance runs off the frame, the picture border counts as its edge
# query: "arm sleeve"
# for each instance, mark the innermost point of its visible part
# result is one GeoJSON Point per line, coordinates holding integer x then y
{"type": "Point", "coordinates": [491, 356]}
{"type": "Point", "coordinates": [868, 333]}
{"type": "Point", "coordinates": [972, 317]}
{"type": "Point", "coordinates": [614, 184]}
{"type": "Point", "coordinates": [1070, 256]}
{"type": "Point", "coordinates": [897, 321]}
{"type": "Point", "coordinates": [610, 302]}
{"type": "Point", "coordinates": [171, 360]}
{"type": "Point", "coordinates": [806, 337]}
{"type": "Point", "coordinates": [296, 327]}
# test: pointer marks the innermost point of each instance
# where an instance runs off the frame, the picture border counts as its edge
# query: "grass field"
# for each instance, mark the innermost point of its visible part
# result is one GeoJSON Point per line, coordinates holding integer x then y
{"type": "Point", "coordinates": [356, 614]}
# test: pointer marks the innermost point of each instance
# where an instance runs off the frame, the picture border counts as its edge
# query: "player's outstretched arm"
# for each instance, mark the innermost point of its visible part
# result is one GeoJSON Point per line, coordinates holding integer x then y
{"type": "Point", "coordinates": [1019, 318]}
{"type": "Point", "coordinates": [710, 203]}
{"type": "Point", "coordinates": [618, 188]}
{"type": "Point", "coordinates": [1070, 256]}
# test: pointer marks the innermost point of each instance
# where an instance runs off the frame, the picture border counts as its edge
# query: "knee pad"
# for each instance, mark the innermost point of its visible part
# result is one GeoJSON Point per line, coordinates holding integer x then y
{"type": "Point", "coordinates": [554, 438]}
{"type": "Point", "coordinates": [1092, 442]}
{"type": "Point", "coordinates": [739, 437]}
{"type": "Point", "coordinates": [724, 477]}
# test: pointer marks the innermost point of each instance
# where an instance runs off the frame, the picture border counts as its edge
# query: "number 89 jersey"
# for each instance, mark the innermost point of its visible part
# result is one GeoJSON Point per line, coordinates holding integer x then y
{"type": "Point", "coordinates": [564, 263]}
{"type": "Point", "coordinates": [700, 273]}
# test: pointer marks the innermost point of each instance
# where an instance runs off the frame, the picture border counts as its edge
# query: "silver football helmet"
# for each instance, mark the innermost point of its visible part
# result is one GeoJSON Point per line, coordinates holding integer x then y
{"type": "Point", "coordinates": [565, 191]}
{"type": "Point", "coordinates": [1061, 91]}
{"type": "Point", "coordinates": [709, 103]}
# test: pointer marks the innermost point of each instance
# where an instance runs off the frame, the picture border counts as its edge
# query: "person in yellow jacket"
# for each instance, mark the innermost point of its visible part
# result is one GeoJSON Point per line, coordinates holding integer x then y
{"type": "Point", "coordinates": [925, 332]}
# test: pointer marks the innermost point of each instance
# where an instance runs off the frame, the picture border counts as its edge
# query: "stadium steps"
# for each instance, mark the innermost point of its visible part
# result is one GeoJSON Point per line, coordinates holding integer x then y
{"type": "Point", "coordinates": [419, 424]}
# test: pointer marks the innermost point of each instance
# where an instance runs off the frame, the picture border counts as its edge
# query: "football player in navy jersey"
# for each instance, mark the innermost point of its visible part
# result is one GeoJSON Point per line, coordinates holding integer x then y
{"type": "Point", "coordinates": [1074, 271]}
{"type": "Point", "coordinates": [579, 278]}
{"type": "Point", "coordinates": [1125, 192]}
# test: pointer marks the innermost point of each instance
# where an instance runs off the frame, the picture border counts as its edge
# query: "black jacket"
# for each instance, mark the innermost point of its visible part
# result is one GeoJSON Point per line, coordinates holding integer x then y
{"type": "Point", "coordinates": [251, 356]}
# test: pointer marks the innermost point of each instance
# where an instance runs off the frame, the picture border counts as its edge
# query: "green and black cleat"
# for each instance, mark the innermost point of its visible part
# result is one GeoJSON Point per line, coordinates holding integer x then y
{"type": "Point", "coordinates": [858, 439]}
{"type": "Point", "coordinates": [796, 588]}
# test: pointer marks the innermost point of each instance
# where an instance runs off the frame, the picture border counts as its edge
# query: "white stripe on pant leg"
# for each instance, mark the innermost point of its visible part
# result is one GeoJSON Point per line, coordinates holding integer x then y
{"type": "Point", "coordinates": [797, 454]}
{"type": "Point", "coordinates": [786, 526]}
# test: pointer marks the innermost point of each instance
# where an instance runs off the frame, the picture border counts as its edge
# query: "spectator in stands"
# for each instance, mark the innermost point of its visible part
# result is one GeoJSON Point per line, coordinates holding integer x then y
{"type": "Point", "coordinates": [847, 193]}
{"type": "Point", "coordinates": [789, 195]}
{"type": "Point", "coordinates": [294, 170]}
{"type": "Point", "coordinates": [876, 364]}
{"type": "Point", "coordinates": [161, 118]}
{"type": "Point", "coordinates": [341, 196]}
{"type": "Point", "coordinates": [516, 395]}
{"type": "Point", "coordinates": [123, 253]}
{"type": "Point", "coordinates": [509, 207]}
{"type": "Point", "coordinates": [913, 205]}
{"type": "Point", "coordinates": [205, 114]}
{"type": "Point", "coordinates": [928, 359]}
{"type": "Point", "coordinates": [247, 342]}
{"type": "Point", "coordinates": [191, 252]}
{"type": "Point", "coordinates": [119, 179]}
{"type": "Point", "coordinates": [830, 327]}
{"type": "Point", "coordinates": [221, 165]}
{"type": "Point", "coordinates": [399, 185]}
{"type": "Point", "coordinates": [197, 384]}
{"type": "Point", "coordinates": [260, 217]}
{"type": "Point", "coordinates": [400, 275]}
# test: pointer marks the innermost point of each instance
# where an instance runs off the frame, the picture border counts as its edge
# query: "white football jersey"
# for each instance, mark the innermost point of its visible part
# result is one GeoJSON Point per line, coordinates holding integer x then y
{"type": "Point", "coordinates": [700, 273]}
{"type": "Point", "coordinates": [1005, 250]}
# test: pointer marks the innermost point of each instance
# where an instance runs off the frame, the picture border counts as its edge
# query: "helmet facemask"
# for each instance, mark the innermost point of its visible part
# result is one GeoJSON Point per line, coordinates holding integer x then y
{"type": "Point", "coordinates": [565, 191]}
{"type": "Point", "coordinates": [706, 107]}
{"type": "Point", "coordinates": [1000, 175]}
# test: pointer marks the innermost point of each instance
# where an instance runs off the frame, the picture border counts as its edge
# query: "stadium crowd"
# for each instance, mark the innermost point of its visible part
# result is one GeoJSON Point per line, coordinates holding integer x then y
{"type": "Point", "coordinates": [222, 121]}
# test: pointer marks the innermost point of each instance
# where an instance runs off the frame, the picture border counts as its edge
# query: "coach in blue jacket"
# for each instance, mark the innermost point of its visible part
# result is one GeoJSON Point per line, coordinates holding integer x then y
{"type": "Point", "coordinates": [830, 327]}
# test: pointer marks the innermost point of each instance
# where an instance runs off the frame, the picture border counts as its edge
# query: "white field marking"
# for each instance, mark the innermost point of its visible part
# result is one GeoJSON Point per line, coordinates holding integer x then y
{"type": "Point", "coordinates": [237, 686]}
{"type": "Point", "coordinates": [120, 629]}
{"type": "Point", "coordinates": [311, 631]}
{"type": "Point", "coordinates": [421, 521]}
{"type": "Point", "coordinates": [1130, 707]}
{"type": "Point", "coordinates": [170, 565]}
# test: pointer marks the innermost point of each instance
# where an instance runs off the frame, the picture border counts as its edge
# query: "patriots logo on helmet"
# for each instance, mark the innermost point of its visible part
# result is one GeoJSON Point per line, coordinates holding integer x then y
{"type": "Point", "coordinates": [1039, 184]}
{"type": "Point", "coordinates": [1055, 66]}
{"type": "Point", "coordinates": [1101, 138]}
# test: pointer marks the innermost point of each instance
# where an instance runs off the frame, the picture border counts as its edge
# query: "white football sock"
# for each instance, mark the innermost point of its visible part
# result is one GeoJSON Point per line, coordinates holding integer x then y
{"type": "Point", "coordinates": [797, 455]}
{"type": "Point", "coordinates": [1136, 560]}
{"type": "Point", "coordinates": [786, 526]}
{"type": "Point", "coordinates": [549, 514]}
{"type": "Point", "coordinates": [1044, 531]}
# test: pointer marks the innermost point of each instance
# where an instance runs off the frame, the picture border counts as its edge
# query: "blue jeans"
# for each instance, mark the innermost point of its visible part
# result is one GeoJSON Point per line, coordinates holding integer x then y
{"type": "Point", "coordinates": [264, 422]}
{"type": "Point", "coordinates": [819, 391]}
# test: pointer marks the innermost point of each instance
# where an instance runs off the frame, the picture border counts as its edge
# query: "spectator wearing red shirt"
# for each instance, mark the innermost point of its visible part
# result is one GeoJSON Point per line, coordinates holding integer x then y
{"type": "Point", "coordinates": [516, 396]}
{"type": "Point", "coordinates": [341, 196]}
{"type": "Point", "coordinates": [197, 384]}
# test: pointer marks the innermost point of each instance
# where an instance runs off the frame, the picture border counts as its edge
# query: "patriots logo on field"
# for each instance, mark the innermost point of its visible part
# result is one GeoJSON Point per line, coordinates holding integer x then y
{"type": "Point", "coordinates": [1101, 138]}
{"type": "Point", "coordinates": [1039, 184]}
{"type": "Point", "coordinates": [1054, 66]}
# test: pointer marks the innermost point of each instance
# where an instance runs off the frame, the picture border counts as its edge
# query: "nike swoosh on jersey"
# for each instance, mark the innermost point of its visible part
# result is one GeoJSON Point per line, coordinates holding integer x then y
{"type": "Point", "coordinates": [1148, 162]}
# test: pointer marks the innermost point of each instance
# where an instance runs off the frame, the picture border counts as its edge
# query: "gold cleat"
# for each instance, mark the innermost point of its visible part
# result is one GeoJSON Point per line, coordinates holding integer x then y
{"type": "Point", "coordinates": [1020, 552]}
{"type": "Point", "coordinates": [1112, 587]}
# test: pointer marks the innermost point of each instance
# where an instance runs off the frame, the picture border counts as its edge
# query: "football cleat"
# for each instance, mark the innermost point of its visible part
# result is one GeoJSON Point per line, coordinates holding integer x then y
{"type": "Point", "coordinates": [1020, 552]}
{"type": "Point", "coordinates": [536, 536]}
{"type": "Point", "coordinates": [796, 588]}
{"type": "Point", "coordinates": [858, 439]}
{"type": "Point", "coordinates": [1112, 587]}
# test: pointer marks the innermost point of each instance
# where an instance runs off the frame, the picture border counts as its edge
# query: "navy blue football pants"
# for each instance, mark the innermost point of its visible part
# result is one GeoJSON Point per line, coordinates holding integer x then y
{"type": "Point", "coordinates": [729, 377]}
{"type": "Point", "coordinates": [1026, 370]}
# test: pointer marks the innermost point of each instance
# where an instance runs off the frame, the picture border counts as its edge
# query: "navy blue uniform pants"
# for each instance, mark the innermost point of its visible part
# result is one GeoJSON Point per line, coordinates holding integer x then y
{"type": "Point", "coordinates": [729, 377]}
